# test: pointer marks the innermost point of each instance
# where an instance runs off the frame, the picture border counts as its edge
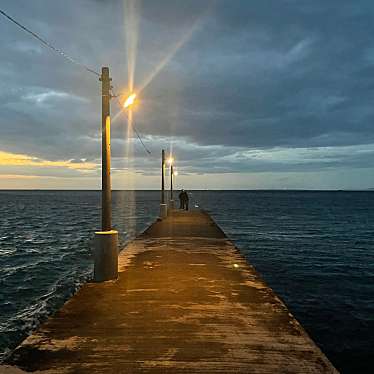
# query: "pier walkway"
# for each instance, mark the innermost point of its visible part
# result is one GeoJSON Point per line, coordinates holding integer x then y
{"type": "Point", "coordinates": [186, 301]}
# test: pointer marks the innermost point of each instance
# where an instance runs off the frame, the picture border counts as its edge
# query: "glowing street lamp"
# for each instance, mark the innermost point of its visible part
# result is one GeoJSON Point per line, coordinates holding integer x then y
{"type": "Point", "coordinates": [129, 101]}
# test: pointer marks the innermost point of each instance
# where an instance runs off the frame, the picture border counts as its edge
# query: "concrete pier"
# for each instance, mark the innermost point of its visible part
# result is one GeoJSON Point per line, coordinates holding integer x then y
{"type": "Point", "coordinates": [185, 301]}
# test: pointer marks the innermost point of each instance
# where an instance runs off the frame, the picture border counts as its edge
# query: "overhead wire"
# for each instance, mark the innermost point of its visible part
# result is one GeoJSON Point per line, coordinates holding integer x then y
{"type": "Point", "coordinates": [141, 141]}
{"type": "Point", "coordinates": [68, 58]}
{"type": "Point", "coordinates": [48, 44]}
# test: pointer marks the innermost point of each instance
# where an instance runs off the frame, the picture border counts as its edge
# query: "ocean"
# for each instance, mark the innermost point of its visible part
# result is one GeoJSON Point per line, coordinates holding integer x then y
{"type": "Point", "coordinates": [314, 248]}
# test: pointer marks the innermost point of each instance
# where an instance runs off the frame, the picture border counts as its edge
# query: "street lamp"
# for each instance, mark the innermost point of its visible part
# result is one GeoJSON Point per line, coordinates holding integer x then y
{"type": "Point", "coordinates": [129, 101]}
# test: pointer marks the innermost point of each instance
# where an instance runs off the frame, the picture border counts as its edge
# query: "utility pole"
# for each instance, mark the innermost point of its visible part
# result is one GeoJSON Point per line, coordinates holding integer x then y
{"type": "Point", "coordinates": [171, 202]}
{"type": "Point", "coordinates": [106, 241]}
{"type": "Point", "coordinates": [163, 206]}
{"type": "Point", "coordinates": [106, 192]}
{"type": "Point", "coordinates": [163, 176]}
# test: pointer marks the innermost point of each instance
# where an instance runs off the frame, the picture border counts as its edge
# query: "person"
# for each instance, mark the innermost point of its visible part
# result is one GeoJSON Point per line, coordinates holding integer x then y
{"type": "Point", "coordinates": [186, 200]}
{"type": "Point", "coordinates": [181, 200]}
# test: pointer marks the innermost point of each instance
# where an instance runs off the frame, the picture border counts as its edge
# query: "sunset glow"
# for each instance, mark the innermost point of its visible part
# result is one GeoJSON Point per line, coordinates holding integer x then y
{"type": "Point", "coordinates": [15, 159]}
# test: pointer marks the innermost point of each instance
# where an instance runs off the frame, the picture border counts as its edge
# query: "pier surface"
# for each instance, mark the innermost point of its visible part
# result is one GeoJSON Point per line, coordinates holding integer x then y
{"type": "Point", "coordinates": [186, 301]}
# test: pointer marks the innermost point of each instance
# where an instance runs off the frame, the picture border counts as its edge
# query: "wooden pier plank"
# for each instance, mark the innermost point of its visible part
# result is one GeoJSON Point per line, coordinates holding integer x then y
{"type": "Point", "coordinates": [186, 301]}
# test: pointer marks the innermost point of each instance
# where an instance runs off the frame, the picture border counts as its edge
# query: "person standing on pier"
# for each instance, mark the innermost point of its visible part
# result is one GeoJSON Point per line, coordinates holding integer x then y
{"type": "Point", "coordinates": [186, 200]}
{"type": "Point", "coordinates": [181, 199]}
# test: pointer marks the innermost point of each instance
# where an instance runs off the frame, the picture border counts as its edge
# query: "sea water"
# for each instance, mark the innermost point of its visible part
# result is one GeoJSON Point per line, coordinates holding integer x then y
{"type": "Point", "coordinates": [315, 249]}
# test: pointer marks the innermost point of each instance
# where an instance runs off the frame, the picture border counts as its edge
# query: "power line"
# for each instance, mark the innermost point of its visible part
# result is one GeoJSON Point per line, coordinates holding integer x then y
{"type": "Point", "coordinates": [141, 141]}
{"type": "Point", "coordinates": [49, 45]}
{"type": "Point", "coordinates": [67, 57]}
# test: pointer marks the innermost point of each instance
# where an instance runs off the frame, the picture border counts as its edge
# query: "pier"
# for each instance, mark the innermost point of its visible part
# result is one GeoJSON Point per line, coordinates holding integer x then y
{"type": "Point", "coordinates": [185, 301]}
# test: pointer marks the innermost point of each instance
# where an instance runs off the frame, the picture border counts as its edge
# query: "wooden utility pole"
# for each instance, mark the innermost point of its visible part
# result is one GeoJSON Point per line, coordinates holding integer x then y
{"type": "Point", "coordinates": [106, 241]}
{"type": "Point", "coordinates": [106, 196]}
{"type": "Point", "coordinates": [163, 206]}
{"type": "Point", "coordinates": [171, 182]}
{"type": "Point", "coordinates": [163, 177]}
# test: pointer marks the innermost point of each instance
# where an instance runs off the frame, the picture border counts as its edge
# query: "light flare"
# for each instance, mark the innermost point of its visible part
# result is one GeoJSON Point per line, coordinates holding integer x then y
{"type": "Point", "coordinates": [129, 101]}
{"type": "Point", "coordinates": [127, 201]}
{"type": "Point", "coordinates": [132, 17]}
{"type": "Point", "coordinates": [171, 54]}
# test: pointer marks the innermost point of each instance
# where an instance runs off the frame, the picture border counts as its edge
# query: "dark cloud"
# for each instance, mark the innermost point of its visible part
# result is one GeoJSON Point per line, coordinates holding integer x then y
{"type": "Point", "coordinates": [255, 75]}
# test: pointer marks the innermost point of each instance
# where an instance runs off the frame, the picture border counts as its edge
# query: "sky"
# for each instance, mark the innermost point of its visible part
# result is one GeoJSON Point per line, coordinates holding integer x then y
{"type": "Point", "coordinates": [260, 94]}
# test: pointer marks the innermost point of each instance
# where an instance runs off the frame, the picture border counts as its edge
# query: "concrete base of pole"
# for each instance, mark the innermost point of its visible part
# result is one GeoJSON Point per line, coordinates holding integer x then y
{"type": "Point", "coordinates": [106, 256]}
{"type": "Point", "coordinates": [171, 204]}
{"type": "Point", "coordinates": [163, 211]}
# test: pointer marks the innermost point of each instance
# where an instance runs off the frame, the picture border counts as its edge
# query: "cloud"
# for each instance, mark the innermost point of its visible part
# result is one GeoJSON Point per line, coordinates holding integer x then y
{"type": "Point", "coordinates": [23, 165]}
{"type": "Point", "coordinates": [45, 98]}
{"type": "Point", "coordinates": [258, 86]}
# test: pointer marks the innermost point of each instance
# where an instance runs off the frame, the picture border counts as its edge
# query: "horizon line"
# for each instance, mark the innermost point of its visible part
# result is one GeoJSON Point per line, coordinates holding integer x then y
{"type": "Point", "coordinates": [369, 189]}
